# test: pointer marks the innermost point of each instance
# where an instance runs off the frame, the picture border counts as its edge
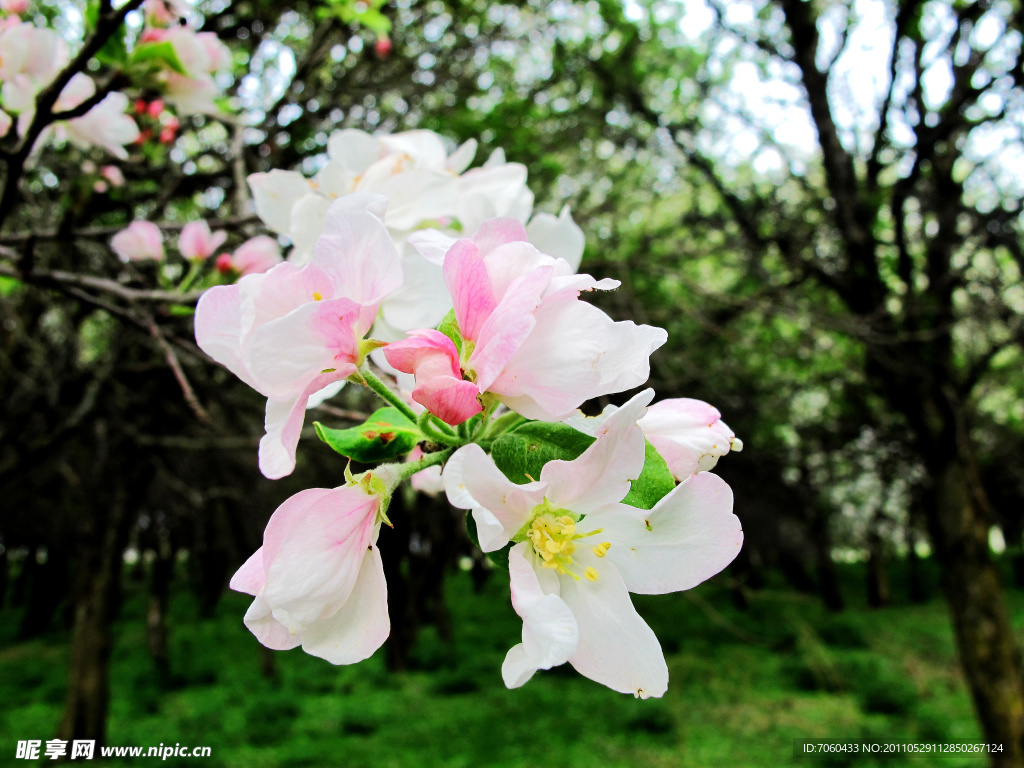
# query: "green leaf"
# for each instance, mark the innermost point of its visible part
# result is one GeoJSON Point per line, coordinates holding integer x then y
{"type": "Point", "coordinates": [522, 453]}
{"type": "Point", "coordinates": [159, 53]}
{"type": "Point", "coordinates": [654, 482]}
{"type": "Point", "coordinates": [450, 328]}
{"type": "Point", "coordinates": [386, 435]}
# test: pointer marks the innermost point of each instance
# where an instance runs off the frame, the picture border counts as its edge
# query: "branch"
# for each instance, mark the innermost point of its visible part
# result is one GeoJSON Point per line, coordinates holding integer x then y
{"type": "Point", "coordinates": [179, 373]}
{"type": "Point", "coordinates": [100, 284]}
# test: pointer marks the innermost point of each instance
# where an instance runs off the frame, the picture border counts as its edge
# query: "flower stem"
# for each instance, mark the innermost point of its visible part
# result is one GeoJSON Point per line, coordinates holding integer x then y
{"type": "Point", "coordinates": [437, 431]}
{"type": "Point", "coordinates": [385, 393]}
{"type": "Point", "coordinates": [195, 267]}
{"type": "Point", "coordinates": [429, 460]}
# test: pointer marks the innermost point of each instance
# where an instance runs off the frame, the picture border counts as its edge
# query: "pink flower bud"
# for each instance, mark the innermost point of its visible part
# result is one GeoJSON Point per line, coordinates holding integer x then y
{"type": "Point", "coordinates": [223, 264]}
{"type": "Point", "coordinates": [14, 6]}
{"type": "Point", "coordinates": [153, 35]}
{"type": "Point", "coordinates": [167, 135]}
{"type": "Point", "coordinates": [155, 108]}
{"type": "Point", "coordinates": [197, 242]}
{"type": "Point", "coordinates": [139, 241]}
{"type": "Point", "coordinates": [140, 106]}
{"type": "Point", "coordinates": [382, 47]}
{"type": "Point", "coordinates": [100, 187]}
{"type": "Point", "coordinates": [113, 175]}
{"type": "Point", "coordinates": [256, 255]}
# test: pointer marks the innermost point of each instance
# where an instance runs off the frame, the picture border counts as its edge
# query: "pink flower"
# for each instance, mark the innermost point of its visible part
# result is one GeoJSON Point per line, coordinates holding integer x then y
{"type": "Point", "coordinates": [382, 47]}
{"type": "Point", "coordinates": [113, 175]}
{"type": "Point", "coordinates": [153, 35]}
{"type": "Point", "coordinates": [432, 358]}
{"type": "Point", "coordinates": [578, 552]}
{"type": "Point", "coordinates": [689, 434]}
{"type": "Point", "coordinates": [527, 338]}
{"type": "Point", "coordinates": [255, 255]}
{"type": "Point", "coordinates": [291, 331]}
{"type": "Point", "coordinates": [14, 6]}
{"type": "Point", "coordinates": [197, 242]}
{"type": "Point", "coordinates": [155, 108]}
{"type": "Point", "coordinates": [139, 241]}
{"type": "Point", "coordinates": [318, 579]}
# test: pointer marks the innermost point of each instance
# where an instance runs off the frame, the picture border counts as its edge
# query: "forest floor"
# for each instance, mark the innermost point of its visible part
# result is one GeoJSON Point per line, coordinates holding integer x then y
{"type": "Point", "coordinates": [744, 685]}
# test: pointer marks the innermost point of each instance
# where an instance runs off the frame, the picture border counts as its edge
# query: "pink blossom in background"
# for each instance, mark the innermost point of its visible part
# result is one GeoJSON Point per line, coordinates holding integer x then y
{"type": "Point", "coordinates": [578, 552]}
{"type": "Point", "coordinates": [318, 580]}
{"type": "Point", "coordinates": [5, 123]}
{"type": "Point", "coordinates": [255, 255]}
{"type": "Point", "coordinates": [14, 6]}
{"type": "Point", "coordinates": [139, 241]}
{"type": "Point", "coordinates": [197, 242]}
{"type": "Point", "coordinates": [113, 175]}
{"type": "Point", "coordinates": [292, 331]}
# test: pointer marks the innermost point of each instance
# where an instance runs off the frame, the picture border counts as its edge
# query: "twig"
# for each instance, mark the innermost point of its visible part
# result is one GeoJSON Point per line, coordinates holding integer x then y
{"type": "Point", "coordinates": [179, 372]}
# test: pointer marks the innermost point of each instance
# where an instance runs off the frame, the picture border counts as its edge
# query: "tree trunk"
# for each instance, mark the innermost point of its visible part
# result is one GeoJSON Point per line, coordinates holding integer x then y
{"type": "Point", "coordinates": [877, 581]}
{"type": "Point", "coordinates": [97, 595]}
{"type": "Point", "coordinates": [917, 589]}
{"type": "Point", "coordinates": [828, 577]}
{"type": "Point", "coordinates": [156, 616]}
{"type": "Point", "coordinates": [981, 624]}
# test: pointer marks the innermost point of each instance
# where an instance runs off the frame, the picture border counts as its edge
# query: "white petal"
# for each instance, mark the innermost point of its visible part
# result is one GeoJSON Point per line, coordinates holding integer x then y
{"type": "Point", "coordinates": [692, 535]}
{"type": "Point", "coordinates": [361, 626]}
{"type": "Point", "coordinates": [500, 507]}
{"type": "Point", "coordinates": [559, 237]}
{"type": "Point", "coordinates": [601, 475]}
{"type": "Point", "coordinates": [431, 244]}
{"type": "Point", "coordinates": [275, 194]}
{"type": "Point", "coordinates": [250, 578]}
{"type": "Point", "coordinates": [267, 629]}
{"type": "Point", "coordinates": [550, 632]}
{"type": "Point", "coordinates": [616, 646]}
{"type": "Point", "coordinates": [219, 327]}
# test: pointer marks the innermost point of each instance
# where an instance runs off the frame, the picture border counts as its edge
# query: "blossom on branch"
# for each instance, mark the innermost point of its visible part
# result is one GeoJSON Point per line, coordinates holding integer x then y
{"type": "Point", "coordinates": [139, 241]}
{"type": "Point", "coordinates": [197, 242]}
{"type": "Point", "coordinates": [318, 580]}
{"type": "Point", "coordinates": [578, 552]}
{"type": "Point", "coordinates": [525, 336]}
{"type": "Point", "coordinates": [292, 331]}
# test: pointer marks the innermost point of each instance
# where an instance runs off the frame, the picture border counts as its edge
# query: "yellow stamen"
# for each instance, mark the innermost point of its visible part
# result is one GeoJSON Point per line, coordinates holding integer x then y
{"type": "Point", "coordinates": [317, 296]}
{"type": "Point", "coordinates": [591, 573]}
{"type": "Point", "coordinates": [602, 549]}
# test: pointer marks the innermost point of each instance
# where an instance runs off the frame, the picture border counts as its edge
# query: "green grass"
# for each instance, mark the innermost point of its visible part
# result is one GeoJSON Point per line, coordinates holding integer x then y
{"type": "Point", "coordinates": [743, 686]}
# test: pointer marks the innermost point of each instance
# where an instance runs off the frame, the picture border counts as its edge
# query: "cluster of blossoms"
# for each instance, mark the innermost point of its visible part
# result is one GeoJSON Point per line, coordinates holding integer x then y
{"type": "Point", "coordinates": [474, 307]}
{"type": "Point", "coordinates": [168, 57]}
{"type": "Point", "coordinates": [198, 245]}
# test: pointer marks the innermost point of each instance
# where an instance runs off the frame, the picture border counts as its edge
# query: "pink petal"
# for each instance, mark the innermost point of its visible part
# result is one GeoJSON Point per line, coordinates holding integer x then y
{"type": "Point", "coordinates": [500, 231]}
{"type": "Point", "coordinates": [218, 323]}
{"type": "Point", "coordinates": [469, 286]}
{"type": "Point", "coordinates": [250, 578]}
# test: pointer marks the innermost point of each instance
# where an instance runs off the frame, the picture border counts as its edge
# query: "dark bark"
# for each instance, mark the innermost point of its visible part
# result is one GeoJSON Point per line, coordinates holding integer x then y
{"type": "Point", "coordinates": [917, 589]}
{"type": "Point", "coordinates": [156, 615]}
{"type": "Point", "coordinates": [828, 576]}
{"type": "Point", "coordinates": [47, 589]}
{"type": "Point", "coordinates": [97, 598]}
{"type": "Point", "coordinates": [877, 578]}
{"type": "Point", "coordinates": [970, 580]}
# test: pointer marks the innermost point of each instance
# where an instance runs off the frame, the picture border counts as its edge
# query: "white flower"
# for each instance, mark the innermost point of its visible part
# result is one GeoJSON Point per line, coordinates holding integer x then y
{"type": "Point", "coordinates": [578, 552]}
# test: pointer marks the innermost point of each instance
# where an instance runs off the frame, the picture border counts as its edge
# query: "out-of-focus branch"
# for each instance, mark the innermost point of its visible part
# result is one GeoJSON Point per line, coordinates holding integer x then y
{"type": "Point", "coordinates": [179, 373]}
{"type": "Point", "coordinates": [101, 284]}
{"type": "Point", "coordinates": [100, 233]}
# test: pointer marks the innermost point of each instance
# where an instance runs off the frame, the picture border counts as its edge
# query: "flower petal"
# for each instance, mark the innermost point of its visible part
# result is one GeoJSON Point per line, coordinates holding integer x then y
{"type": "Point", "coordinates": [251, 577]}
{"type": "Point", "coordinates": [616, 646]}
{"type": "Point", "coordinates": [267, 629]}
{"type": "Point", "coordinates": [500, 507]}
{"type": "Point", "coordinates": [689, 536]}
{"type": "Point", "coordinates": [361, 626]}
{"type": "Point", "coordinates": [601, 475]}
{"type": "Point", "coordinates": [313, 551]}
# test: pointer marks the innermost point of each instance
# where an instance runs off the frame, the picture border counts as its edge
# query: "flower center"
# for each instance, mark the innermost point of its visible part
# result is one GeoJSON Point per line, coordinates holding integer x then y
{"type": "Point", "coordinates": [552, 532]}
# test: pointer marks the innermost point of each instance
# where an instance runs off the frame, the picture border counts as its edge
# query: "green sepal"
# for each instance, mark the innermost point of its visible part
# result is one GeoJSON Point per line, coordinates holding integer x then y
{"type": "Point", "coordinates": [450, 328]}
{"type": "Point", "coordinates": [655, 481]}
{"type": "Point", "coordinates": [386, 435]}
{"type": "Point", "coordinates": [522, 453]}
